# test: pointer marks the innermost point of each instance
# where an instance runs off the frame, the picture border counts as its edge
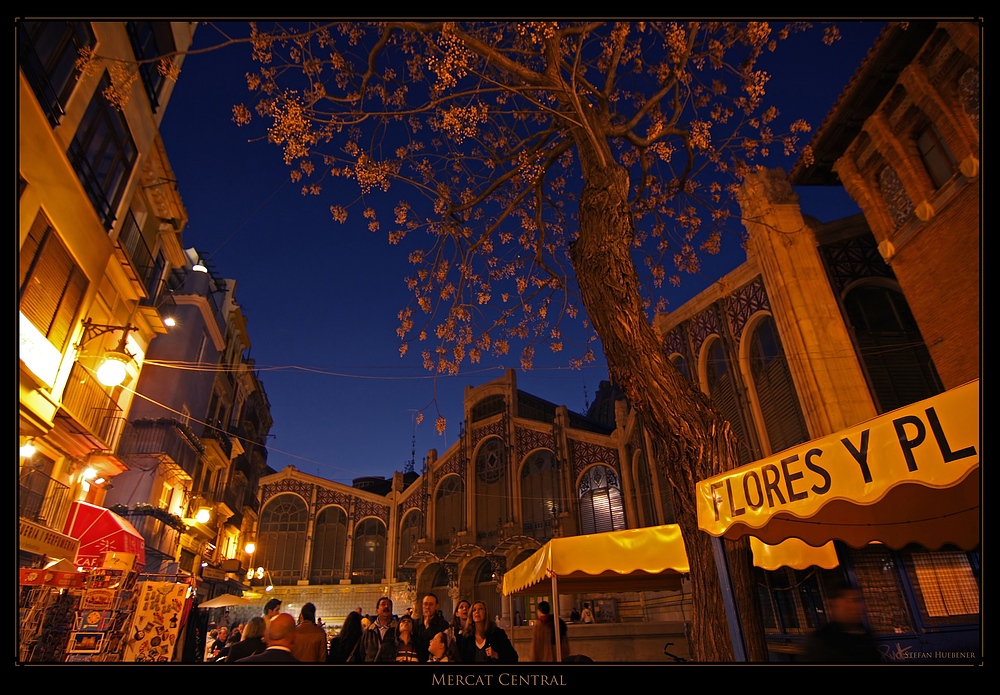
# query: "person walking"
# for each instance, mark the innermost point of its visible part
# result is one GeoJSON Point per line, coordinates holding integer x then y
{"type": "Point", "coordinates": [844, 639]}
{"type": "Point", "coordinates": [484, 642]}
{"type": "Point", "coordinates": [543, 636]}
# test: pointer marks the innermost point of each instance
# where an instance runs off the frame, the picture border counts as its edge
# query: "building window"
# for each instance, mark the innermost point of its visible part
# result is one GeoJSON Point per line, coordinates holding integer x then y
{"type": "Point", "coordinates": [48, 52]}
{"type": "Point", "coordinates": [722, 389]}
{"type": "Point", "coordinates": [329, 546]}
{"type": "Point", "coordinates": [934, 153]}
{"type": "Point", "coordinates": [489, 406]}
{"type": "Point", "coordinates": [449, 510]}
{"type": "Point", "coordinates": [539, 494]}
{"type": "Point", "coordinates": [151, 41]}
{"type": "Point", "coordinates": [647, 495]}
{"type": "Point", "coordinates": [410, 533]}
{"type": "Point", "coordinates": [775, 391]}
{"type": "Point", "coordinates": [491, 491]}
{"type": "Point", "coordinates": [368, 563]}
{"type": "Point", "coordinates": [52, 285]}
{"type": "Point", "coordinates": [282, 539]}
{"type": "Point", "coordinates": [103, 154]}
{"type": "Point", "coordinates": [681, 365]}
{"type": "Point", "coordinates": [877, 573]}
{"type": "Point", "coordinates": [892, 350]}
{"type": "Point", "coordinates": [601, 507]}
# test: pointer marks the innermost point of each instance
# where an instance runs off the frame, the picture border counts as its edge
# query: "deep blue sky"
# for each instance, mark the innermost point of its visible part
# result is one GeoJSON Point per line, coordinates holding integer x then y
{"type": "Point", "coordinates": [321, 299]}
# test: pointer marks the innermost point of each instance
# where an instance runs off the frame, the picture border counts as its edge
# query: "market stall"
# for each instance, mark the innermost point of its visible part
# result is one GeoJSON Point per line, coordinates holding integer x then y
{"type": "Point", "coordinates": [907, 478]}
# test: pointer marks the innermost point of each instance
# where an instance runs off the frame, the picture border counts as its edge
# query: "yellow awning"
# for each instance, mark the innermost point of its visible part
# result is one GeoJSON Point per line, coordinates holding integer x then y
{"type": "Point", "coordinates": [909, 476]}
{"type": "Point", "coordinates": [632, 560]}
{"type": "Point", "coordinates": [793, 553]}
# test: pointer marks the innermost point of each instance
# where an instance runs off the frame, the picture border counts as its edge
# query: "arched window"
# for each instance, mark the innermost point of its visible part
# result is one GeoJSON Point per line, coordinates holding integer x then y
{"type": "Point", "coordinates": [485, 590]}
{"type": "Point", "coordinates": [539, 494]}
{"type": "Point", "coordinates": [772, 382]}
{"type": "Point", "coordinates": [896, 361]}
{"type": "Point", "coordinates": [329, 547]}
{"type": "Point", "coordinates": [601, 507]}
{"type": "Point", "coordinates": [282, 540]}
{"type": "Point", "coordinates": [647, 494]}
{"type": "Point", "coordinates": [368, 563]}
{"type": "Point", "coordinates": [722, 391]}
{"type": "Point", "coordinates": [410, 532]}
{"type": "Point", "coordinates": [682, 366]}
{"type": "Point", "coordinates": [449, 510]}
{"type": "Point", "coordinates": [491, 491]}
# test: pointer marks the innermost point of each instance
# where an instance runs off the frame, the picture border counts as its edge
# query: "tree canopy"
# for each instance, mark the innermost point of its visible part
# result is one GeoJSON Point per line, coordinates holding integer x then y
{"type": "Point", "coordinates": [480, 135]}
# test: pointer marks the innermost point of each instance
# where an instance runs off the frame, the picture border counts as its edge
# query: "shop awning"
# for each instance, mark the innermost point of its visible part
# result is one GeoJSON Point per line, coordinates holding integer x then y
{"type": "Point", "coordinates": [650, 558]}
{"type": "Point", "coordinates": [909, 476]}
{"type": "Point", "coordinates": [100, 530]}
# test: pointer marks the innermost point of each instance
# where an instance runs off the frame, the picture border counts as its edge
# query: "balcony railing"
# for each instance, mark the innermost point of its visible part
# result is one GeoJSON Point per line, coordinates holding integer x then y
{"type": "Point", "coordinates": [134, 245]}
{"type": "Point", "coordinates": [41, 497]}
{"type": "Point", "coordinates": [91, 405]}
{"type": "Point", "coordinates": [163, 438]}
{"type": "Point", "coordinates": [215, 430]}
{"type": "Point", "coordinates": [158, 535]}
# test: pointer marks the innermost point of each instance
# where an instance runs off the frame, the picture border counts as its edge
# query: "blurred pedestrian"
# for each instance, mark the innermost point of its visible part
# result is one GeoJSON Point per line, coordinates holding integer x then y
{"type": "Point", "coordinates": [543, 636]}
{"type": "Point", "coordinates": [844, 639]}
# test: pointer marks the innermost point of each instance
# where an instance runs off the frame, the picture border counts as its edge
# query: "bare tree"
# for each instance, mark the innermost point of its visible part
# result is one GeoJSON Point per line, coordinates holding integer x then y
{"type": "Point", "coordinates": [550, 167]}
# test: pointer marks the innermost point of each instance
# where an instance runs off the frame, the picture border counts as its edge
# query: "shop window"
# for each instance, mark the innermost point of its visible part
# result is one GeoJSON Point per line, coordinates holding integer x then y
{"type": "Point", "coordinates": [946, 588]}
{"type": "Point", "coordinates": [103, 154]}
{"type": "Point", "coordinates": [48, 52]}
{"type": "Point", "coordinates": [877, 572]}
{"type": "Point", "coordinates": [722, 389]}
{"type": "Point", "coordinates": [52, 285]}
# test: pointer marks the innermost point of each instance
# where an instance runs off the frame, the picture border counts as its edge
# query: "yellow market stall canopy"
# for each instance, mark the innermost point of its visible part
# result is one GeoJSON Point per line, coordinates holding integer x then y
{"type": "Point", "coordinates": [909, 476]}
{"type": "Point", "coordinates": [651, 558]}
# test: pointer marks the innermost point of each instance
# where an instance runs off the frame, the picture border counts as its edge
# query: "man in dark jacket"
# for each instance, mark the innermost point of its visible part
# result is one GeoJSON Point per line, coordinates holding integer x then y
{"type": "Point", "coordinates": [431, 624]}
{"type": "Point", "coordinates": [844, 639]}
{"type": "Point", "coordinates": [280, 638]}
{"type": "Point", "coordinates": [543, 636]}
{"type": "Point", "coordinates": [382, 628]}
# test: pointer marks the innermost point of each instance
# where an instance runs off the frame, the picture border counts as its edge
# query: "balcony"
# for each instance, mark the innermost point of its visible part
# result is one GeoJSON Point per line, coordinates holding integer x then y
{"type": "Point", "coordinates": [134, 253]}
{"type": "Point", "coordinates": [169, 440]}
{"type": "Point", "coordinates": [41, 498]}
{"type": "Point", "coordinates": [217, 441]}
{"type": "Point", "coordinates": [160, 529]}
{"type": "Point", "coordinates": [89, 404]}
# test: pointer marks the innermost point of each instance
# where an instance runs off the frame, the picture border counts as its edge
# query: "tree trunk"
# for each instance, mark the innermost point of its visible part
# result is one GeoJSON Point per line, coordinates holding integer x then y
{"type": "Point", "coordinates": [696, 441]}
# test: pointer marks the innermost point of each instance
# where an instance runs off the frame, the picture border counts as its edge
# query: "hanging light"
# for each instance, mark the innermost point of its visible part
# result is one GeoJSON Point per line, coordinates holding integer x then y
{"type": "Point", "coordinates": [113, 367]}
{"type": "Point", "coordinates": [199, 267]}
{"type": "Point", "coordinates": [28, 449]}
{"type": "Point", "coordinates": [203, 515]}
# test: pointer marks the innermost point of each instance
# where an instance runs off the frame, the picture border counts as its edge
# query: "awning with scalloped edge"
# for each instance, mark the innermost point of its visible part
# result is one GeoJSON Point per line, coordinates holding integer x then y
{"type": "Point", "coordinates": [651, 558]}
{"type": "Point", "coordinates": [908, 476]}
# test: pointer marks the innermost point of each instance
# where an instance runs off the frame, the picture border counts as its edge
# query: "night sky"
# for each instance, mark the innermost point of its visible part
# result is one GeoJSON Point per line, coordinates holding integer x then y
{"type": "Point", "coordinates": [321, 298]}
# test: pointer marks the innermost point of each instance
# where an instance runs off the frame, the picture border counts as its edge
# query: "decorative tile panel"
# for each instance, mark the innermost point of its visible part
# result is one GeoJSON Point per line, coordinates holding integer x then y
{"type": "Point", "coordinates": [894, 195]}
{"type": "Point", "coordinates": [969, 90]}
{"type": "Point", "coordinates": [529, 439]}
{"type": "Point", "coordinates": [744, 303]}
{"type": "Point", "coordinates": [368, 508]}
{"type": "Point", "coordinates": [701, 326]}
{"type": "Point", "coordinates": [585, 454]}
{"type": "Point", "coordinates": [287, 485]}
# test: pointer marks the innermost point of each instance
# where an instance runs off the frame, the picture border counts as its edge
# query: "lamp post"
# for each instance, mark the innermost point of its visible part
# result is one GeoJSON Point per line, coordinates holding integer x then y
{"type": "Point", "coordinates": [112, 369]}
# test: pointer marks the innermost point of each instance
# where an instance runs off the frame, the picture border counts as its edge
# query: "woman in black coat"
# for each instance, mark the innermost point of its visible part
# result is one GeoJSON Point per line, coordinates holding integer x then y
{"type": "Point", "coordinates": [251, 642]}
{"type": "Point", "coordinates": [484, 642]}
{"type": "Point", "coordinates": [342, 647]}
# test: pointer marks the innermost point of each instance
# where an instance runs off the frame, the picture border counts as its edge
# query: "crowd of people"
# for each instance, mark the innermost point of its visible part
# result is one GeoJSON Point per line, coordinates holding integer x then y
{"type": "Point", "coordinates": [471, 636]}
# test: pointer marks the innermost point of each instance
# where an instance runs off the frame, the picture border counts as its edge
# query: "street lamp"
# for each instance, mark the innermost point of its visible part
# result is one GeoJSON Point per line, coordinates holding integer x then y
{"type": "Point", "coordinates": [113, 367]}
